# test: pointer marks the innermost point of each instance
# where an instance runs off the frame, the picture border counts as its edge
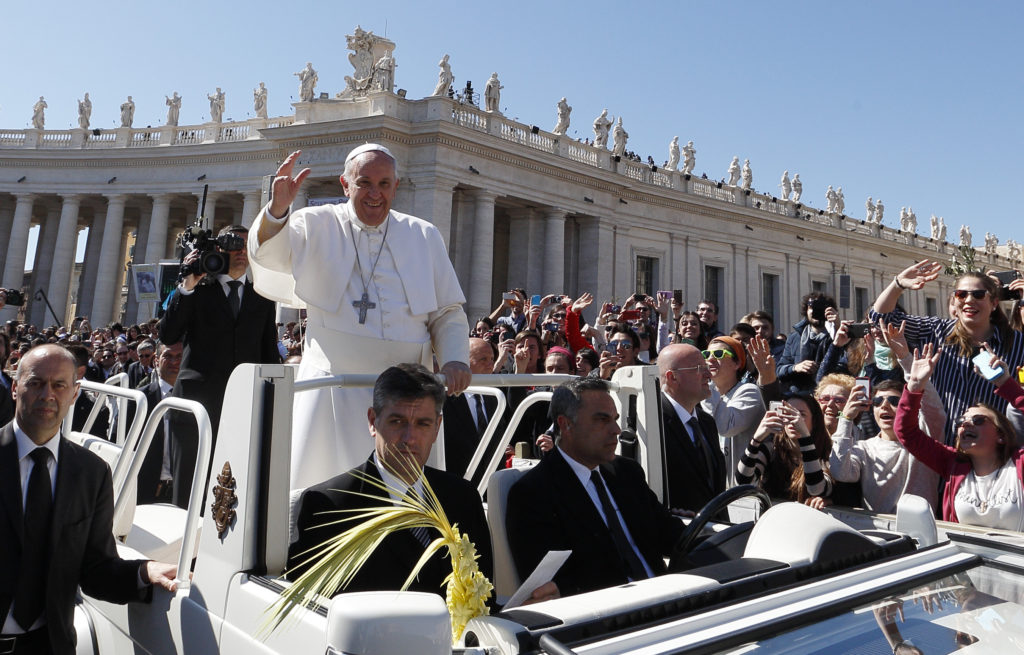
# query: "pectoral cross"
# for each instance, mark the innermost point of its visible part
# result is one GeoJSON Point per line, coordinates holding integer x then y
{"type": "Point", "coordinates": [362, 305]}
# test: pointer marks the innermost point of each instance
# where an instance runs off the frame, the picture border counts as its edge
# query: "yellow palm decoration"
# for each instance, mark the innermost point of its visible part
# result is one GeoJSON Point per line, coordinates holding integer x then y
{"type": "Point", "coordinates": [334, 563]}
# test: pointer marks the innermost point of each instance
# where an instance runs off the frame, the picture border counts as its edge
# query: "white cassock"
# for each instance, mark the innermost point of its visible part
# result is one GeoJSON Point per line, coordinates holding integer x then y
{"type": "Point", "coordinates": [312, 263]}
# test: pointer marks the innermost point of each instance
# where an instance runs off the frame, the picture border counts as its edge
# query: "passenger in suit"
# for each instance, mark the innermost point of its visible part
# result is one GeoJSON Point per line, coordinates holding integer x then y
{"type": "Point", "coordinates": [404, 422]}
{"type": "Point", "coordinates": [155, 482]}
{"type": "Point", "coordinates": [582, 497]}
{"type": "Point", "coordinates": [139, 372]}
{"type": "Point", "coordinates": [85, 402]}
{"type": "Point", "coordinates": [695, 466]}
{"type": "Point", "coordinates": [222, 323]}
{"type": "Point", "coordinates": [56, 515]}
{"type": "Point", "coordinates": [463, 421]}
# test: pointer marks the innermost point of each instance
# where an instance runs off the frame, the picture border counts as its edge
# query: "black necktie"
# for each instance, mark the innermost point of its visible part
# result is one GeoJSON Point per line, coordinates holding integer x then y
{"type": "Point", "coordinates": [481, 417]}
{"type": "Point", "coordinates": [702, 447]}
{"type": "Point", "coordinates": [234, 302]}
{"type": "Point", "coordinates": [629, 557]}
{"type": "Point", "coordinates": [30, 598]}
{"type": "Point", "coordinates": [421, 533]}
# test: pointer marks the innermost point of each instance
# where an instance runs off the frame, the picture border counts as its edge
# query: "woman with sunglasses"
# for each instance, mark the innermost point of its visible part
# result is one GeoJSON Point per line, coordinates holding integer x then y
{"type": "Point", "coordinates": [736, 406]}
{"type": "Point", "coordinates": [977, 320]}
{"type": "Point", "coordinates": [881, 466]}
{"type": "Point", "coordinates": [984, 470]}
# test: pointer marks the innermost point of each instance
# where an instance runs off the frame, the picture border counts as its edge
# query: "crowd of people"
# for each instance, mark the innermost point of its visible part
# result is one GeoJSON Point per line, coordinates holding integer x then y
{"type": "Point", "coordinates": [852, 411]}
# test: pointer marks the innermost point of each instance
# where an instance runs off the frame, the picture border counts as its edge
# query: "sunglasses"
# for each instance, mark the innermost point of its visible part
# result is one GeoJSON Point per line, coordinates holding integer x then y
{"type": "Point", "coordinates": [625, 345]}
{"type": "Point", "coordinates": [975, 420]}
{"type": "Point", "coordinates": [839, 400]}
{"type": "Point", "coordinates": [977, 294]}
{"type": "Point", "coordinates": [717, 353]}
{"type": "Point", "coordinates": [893, 400]}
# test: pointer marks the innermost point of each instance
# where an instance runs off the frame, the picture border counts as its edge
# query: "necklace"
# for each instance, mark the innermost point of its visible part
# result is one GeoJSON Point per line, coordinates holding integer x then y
{"type": "Point", "coordinates": [990, 482]}
{"type": "Point", "coordinates": [363, 304]}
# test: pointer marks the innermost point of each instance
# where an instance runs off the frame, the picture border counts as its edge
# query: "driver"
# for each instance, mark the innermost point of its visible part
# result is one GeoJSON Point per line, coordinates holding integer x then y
{"type": "Point", "coordinates": [583, 498]}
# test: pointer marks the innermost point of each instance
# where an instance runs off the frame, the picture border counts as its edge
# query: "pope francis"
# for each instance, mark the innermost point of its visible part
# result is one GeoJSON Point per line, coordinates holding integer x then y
{"type": "Point", "coordinates": [378, 288]}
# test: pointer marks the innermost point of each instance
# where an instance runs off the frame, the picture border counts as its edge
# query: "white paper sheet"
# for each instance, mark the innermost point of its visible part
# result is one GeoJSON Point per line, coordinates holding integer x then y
{"type": "Point", "coordinates": [544, 572]}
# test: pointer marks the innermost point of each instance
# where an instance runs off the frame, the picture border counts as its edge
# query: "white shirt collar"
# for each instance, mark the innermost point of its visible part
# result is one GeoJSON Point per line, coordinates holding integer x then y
{"type": "Point", "coordinates": [681, 411]}
{"type": "Point", "coordinates": [165, 388]}
{"type": "Point", "coordinates": [582, 472]}
{"type": "Point", "coordinates": [26, 445]}
{"type": "Point", "coordinates": [224, 278]}
{"type": "Point", "coordinates": [395, 484]}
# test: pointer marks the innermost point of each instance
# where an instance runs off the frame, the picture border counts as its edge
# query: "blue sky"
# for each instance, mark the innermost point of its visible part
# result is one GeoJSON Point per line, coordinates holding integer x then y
{"type": "Point", "coordinates": [917, 103]}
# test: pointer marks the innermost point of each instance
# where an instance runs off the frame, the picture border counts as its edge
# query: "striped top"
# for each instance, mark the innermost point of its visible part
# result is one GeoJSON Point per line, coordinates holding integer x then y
{"type": "Point", "coordinates": [760, 464]}
{"type": "Point", "coordinates": [954, 378]}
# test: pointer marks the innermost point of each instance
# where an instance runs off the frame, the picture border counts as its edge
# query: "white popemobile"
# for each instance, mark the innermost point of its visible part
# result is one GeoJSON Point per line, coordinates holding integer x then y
{"type": "Point", "coordinates": [795, 581]}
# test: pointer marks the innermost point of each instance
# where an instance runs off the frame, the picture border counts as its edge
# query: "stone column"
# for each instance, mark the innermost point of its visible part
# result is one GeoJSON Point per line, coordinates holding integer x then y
{"type": "Point", "coordinates": [481, 268]}
{"type": "Point", "coordinates": [694, 280]}
{"type": "Point", "coordinates": [17, 244]}
{"type": "Point", "coordinates": [520, 249]}
{"type": "Point", "coordinates": [41, 266]}
{"type": "Point", "coordinates": [433, 202]}
{"type": "Point", "coordinates": [156, 239]}
{"type": "Point", "coordinates": [597, 243]}
{"type": "Point", "coordinates": [250, 207]}
{"type": "Point", "coordinates": [554, 251]}
{"type": "Point", "coordinates": [108, 273]}
{"type": "Point", "coordinates": [64, 256]}
{"type": "Point", "coordinates": [87, 281]}
{"type": "Point", "coordinates": [6, 223]}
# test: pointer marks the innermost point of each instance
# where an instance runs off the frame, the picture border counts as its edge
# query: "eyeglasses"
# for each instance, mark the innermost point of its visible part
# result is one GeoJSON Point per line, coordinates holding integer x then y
{"type": "Point", "coordinates": [700, 368]}
{"type": "Point", "coordinates": [977, 294]}
{"type": "Point", "coordinates": [625, 345]}
{"type": "Point", "coordinates": [717, 353]}
{"type": "Point", "coordinates": [122, 352]}
{"type": "Point", "coordinates": [975, 420]}
{"type": "Point", "coordinates": [824, 400]}
{"type": "Point", "coordinates": [892, 399]}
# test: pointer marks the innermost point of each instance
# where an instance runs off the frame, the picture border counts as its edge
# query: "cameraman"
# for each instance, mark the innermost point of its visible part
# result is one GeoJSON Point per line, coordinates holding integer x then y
{"type": "Point", "coordinates": [807, 344]}
{"type": "Point", "coordinates": [222, 323]}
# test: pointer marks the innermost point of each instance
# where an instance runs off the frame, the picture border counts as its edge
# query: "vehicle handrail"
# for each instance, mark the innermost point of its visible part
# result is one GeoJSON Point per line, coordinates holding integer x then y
{"type": "Point", "coordinates": [492, 425]}
{"type": "Point", "coordinates": [119, 380]}
{"type": "Point", "coordinates": [479, 380]}
{"type": "Point", "coordinates": [198, 475]}
{"type": "Point", "coordinates": [513, 423]}
{"type": "Point", "coordinates": [138, 422]}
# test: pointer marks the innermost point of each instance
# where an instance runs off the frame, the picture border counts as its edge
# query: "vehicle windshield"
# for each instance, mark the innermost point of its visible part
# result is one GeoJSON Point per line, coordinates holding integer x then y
{"type": "Point", "coordinates": [980, 610]}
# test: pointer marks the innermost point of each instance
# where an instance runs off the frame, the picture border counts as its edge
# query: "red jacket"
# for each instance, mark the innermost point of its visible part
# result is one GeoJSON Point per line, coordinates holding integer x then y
{"type": "Point", "coordinates": [944, 459]}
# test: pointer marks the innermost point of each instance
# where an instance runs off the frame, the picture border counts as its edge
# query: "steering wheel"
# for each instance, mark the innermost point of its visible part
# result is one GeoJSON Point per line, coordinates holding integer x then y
{"type": "Point", "coordinates": [688, 539]}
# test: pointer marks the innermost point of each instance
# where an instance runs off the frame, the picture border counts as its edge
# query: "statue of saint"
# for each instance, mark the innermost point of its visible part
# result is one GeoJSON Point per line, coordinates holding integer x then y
{"type": "Point", "coordinates": [259, 100]}
{"type": "Point", "coordinates": [965, 236]}
{"type": "Point", "coordinates": [734, 171]}
{"type": "Point", "coordinates": [798, 188]}
{"type": "Point", "coordinates": [673, 154]}
{"type": "Point", "coordinates": [830, 200]}
{"type": "Point", "coordinates": [689, 157]}
{"type": "Point", "coordinates": [869, 208]}
{"type": "Point", "coordinates": [840, 201]}
{"type": "Point", "coordinates": [619, 137]}
{"type": "Point", "coordinates": [911, 220]}
{"type": "Point", "coordinates": [84, 112]}
{"type": "Point", "coordinates": [307, 83]}
{"type": "Point", "coordinates": [492, 94]}
{"type": "Point", "coordinates": [991, 242]}
{"type": "Point", "coordinates": [786, 185]}
{"type": "Point", "coordinates": [39, 114]}
{"type": "Point", "coordinates": [879, 211]}
{"type": "Point", "coordinates": [935, 226]}
{"type": "Point", "coordinates": [601, 126]}
{"type": "Point", "coordinates": [1013, 251]}
{"type": "Point", "coordinates": [903, 218]}
{"type": "Point", "coordinates": [127, 112]}
{"type": "Point", "coordinates": [216, 106]}
{"type": "Point", "coordinates": [173, 108]}
{"type": "Point", "coordinates": [444, 78]}
{"type": "Point", "coordinates": [942, 230]}
{"type": "Point", "coordinates": [747, 175]}
{"type": "Point", "coordinates": [562, 126]}
{"type": "Point", "coordinates": [384, 73]}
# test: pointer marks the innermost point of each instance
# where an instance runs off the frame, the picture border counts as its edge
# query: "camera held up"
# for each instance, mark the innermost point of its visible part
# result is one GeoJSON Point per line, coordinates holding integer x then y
{"type": "Point", "coordinates": [214, 252]}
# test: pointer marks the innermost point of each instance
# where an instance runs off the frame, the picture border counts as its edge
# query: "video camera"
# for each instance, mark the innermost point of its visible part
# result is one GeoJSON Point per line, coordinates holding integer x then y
{"type": "Point", "coordinates": [211, 260]}
{"type": "Point", "coordinates": [197, 237]}
{"type": "Point", "coordinates": [15, 298]}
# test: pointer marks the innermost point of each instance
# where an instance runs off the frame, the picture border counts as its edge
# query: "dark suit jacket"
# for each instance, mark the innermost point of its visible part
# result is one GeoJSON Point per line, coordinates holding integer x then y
{"type": "Point", "coordinates": [395, 557]}
{"type": "Point", "coordinates": [548, 509]}
{"type": "Point", "coordinates": [149, 474]}
{"type": "Point", "coordinates": [82, 409]}
{"type": "Point", "coordinates": [82, 550]}
{"type": "Point", "coordinates": [137, 375]}
{"type": "Point", "coordinates": [461, 436]}
{"type": "Point", "coordinates": [688, 484]}
{"type": "Point", "coordinates": [215, 342]}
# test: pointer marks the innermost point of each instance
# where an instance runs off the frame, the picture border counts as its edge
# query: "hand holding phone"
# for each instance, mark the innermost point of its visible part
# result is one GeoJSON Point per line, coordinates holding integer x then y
{"type": "Point", "coordinates": [983, 361]}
